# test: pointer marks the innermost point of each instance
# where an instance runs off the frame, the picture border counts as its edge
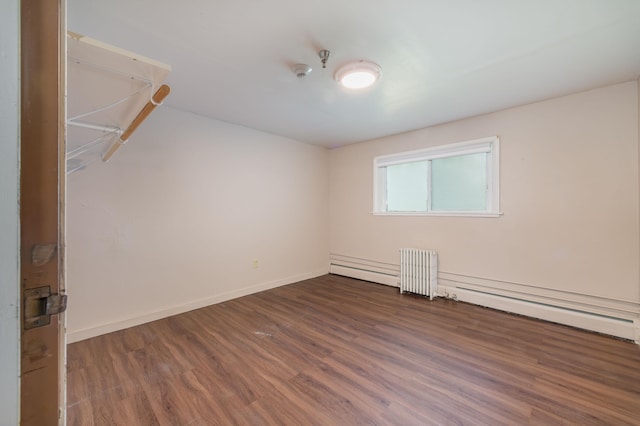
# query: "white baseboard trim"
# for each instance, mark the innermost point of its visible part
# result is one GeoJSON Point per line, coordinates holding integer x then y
{"type": "Point", "coordinates": [87, 333]}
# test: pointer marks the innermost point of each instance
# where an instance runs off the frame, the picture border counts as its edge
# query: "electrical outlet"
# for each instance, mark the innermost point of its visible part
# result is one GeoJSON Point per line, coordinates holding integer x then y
{"type": "Point", "coordinates": [256, 264]}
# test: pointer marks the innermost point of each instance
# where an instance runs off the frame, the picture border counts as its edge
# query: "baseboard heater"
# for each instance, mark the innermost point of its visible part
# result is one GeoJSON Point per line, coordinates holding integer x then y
{"type": "Point", "coordinates": [364, 269]}
{"type": "Point", "coordinates": [419, 272]}
{"type": "Point", "coordinates": [615, 318]}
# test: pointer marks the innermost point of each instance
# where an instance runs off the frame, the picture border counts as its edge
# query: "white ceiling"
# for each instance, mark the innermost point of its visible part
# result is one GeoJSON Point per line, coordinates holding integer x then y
{"type": "Point", "coordinates": [442, 60]}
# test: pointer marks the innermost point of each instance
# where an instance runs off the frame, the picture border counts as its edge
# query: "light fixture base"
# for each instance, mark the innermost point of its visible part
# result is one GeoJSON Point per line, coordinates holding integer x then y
{"type": "Point", "coordinates": [324, 57]}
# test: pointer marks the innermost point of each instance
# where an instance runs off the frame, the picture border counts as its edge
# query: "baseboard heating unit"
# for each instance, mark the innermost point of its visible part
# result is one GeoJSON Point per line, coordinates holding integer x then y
{"type": "Point", "coordinates": [419, 272]}
{"type": "Point", "coordinates": [596, 313]}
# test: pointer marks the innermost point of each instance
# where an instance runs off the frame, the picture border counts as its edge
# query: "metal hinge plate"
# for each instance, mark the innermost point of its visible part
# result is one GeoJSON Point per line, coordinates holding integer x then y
{"type": "Point", "coordinates": [40, 304]}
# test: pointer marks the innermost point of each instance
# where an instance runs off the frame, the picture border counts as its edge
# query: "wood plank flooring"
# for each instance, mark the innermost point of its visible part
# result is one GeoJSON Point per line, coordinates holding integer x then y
{"type": "Point", "coordinates": [338, 351]}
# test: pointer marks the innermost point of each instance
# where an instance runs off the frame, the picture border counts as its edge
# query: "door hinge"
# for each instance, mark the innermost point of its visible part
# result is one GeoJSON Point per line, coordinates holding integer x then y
{"type": "Point", "coordinates": [40, 304]}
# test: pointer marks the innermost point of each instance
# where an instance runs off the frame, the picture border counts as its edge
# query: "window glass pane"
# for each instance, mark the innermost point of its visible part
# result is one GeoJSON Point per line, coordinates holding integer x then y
{"type": "Point", "coordinates": [407, 187]}
{"type": "Point", "coordinates": [459, 183]}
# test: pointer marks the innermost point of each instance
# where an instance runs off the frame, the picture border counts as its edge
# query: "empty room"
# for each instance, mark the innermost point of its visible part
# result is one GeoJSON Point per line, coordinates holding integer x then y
{"type": "Point", "coordinates": [325, 213]}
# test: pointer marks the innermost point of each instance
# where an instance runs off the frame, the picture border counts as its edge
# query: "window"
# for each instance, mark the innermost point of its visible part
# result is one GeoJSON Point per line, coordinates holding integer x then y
{"type": "Point", "coordinates": [459, 179]}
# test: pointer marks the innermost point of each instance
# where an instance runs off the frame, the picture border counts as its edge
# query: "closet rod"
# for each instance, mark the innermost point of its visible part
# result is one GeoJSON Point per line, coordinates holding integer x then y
{"type": "Point", "coordinates": [156, 100]}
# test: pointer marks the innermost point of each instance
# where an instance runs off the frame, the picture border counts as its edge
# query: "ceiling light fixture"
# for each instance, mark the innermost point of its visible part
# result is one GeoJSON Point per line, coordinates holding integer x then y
{"type": "Point", "coordinates": [358, 75]}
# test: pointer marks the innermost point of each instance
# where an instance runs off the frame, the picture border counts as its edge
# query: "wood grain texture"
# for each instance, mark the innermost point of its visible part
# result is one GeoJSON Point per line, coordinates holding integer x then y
{"type": "Point", "coordinates": [41, 203]}
{"type": "Point", "coordinates": [335, 350]}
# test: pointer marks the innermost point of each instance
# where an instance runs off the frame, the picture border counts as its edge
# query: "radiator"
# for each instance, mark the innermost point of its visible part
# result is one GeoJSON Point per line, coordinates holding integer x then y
{"type": "Point", "coordinates": [419, 271]}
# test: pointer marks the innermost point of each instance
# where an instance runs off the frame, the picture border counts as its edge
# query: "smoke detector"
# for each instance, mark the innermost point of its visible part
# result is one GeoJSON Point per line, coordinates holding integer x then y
{"type": "Point", "coordinates": [301, 70]}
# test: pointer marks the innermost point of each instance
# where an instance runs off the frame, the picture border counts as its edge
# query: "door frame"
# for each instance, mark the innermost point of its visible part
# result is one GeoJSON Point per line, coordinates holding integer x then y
{"type": "Point", "coordinates": [42, 201]}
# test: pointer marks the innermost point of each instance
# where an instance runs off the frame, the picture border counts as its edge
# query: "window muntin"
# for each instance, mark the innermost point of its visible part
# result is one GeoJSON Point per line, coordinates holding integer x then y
{"type": "Point", "coordinates": [459, 179]}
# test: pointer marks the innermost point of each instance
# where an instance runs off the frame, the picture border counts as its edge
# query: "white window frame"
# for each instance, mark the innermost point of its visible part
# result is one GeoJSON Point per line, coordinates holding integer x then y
{"type": "Point", "coordinates": [489, 145]}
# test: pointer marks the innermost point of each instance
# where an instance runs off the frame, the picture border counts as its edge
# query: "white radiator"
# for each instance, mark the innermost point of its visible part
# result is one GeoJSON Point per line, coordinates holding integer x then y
{"type": "Point", "coordinates": [419, 271]}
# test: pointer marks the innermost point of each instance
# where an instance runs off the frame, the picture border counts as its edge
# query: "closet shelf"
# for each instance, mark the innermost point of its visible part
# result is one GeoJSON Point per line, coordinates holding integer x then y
{"type": "Point", "coordinates": [110, 92]}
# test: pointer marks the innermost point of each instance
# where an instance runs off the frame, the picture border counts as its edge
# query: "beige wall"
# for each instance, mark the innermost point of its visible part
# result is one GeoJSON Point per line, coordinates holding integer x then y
{"type": "Point", "coordinates": [569, 193]}
{"type": "Point", "coordinates": [9, 220]}
{"type": "Point", "coordinates": [177, 218]}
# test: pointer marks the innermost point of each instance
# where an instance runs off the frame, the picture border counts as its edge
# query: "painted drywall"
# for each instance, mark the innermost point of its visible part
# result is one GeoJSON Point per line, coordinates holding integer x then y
{"type": "Point", "coordinates": [190, 212]}
{"type": "Point", "coordinates": [9, 222]}
{"type": "Point", "coordinates": [569, 194]}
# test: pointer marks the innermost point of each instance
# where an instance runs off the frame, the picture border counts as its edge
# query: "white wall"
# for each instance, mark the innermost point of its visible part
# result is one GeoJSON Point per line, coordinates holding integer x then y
{"type": "Point", "coordinates": [569, 193]}
{"type": "Point", "coordinates": [9, 222]}
{"type": "Point", "coordinates": [178, 217]}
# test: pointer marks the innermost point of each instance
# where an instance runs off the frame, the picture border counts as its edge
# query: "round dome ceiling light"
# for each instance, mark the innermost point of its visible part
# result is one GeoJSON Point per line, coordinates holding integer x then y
{"type": "Point", "coordinates": [358, 75]}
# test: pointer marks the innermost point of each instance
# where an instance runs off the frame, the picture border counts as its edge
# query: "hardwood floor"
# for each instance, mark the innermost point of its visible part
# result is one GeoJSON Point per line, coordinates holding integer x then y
{"type": "Point", "coordinates": [338, 351]}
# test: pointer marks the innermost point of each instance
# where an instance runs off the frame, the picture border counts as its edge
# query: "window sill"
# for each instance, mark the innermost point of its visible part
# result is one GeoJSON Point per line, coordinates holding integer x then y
{"type": "Point", "coordinates": [439, 214]}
